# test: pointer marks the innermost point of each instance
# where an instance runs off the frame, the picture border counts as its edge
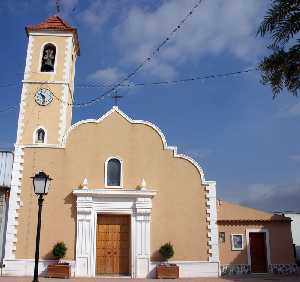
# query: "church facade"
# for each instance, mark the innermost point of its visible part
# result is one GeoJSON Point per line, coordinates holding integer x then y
{"type": "Point", "coordinates": [154, 194]}
{"type": "Point", "coordinates": [119, 191]}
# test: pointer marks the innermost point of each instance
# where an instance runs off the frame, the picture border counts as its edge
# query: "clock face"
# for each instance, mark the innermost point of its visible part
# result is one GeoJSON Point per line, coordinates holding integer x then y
{"type": "Point", "coordinates": [43, 97]}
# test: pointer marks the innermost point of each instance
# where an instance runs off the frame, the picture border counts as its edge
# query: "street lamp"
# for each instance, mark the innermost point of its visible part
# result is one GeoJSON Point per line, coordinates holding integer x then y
{"type": "Point", "coordinates": [41, 183]}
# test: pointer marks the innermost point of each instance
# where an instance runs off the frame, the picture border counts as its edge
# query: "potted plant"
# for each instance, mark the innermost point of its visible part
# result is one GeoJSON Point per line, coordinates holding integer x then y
{"type": "Point", "coordinates": [166, 269]}
{"type": "Point", "coordinates": [60, 269]}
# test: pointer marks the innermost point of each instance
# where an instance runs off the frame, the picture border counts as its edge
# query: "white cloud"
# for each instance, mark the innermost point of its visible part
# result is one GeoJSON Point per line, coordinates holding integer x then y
{"type": "Point", "coordinates": [106, 76]}
{"type": "Point", "coordinates": [290, 111]}
{"type": "Point", "coordinates": [295, 157]}
{"type": "Point", "coordinates": [199, 154]}
{"type": "Point", "coordinates": [215, 27]}
{"type": "Point", "coordinates": [271, 197]}
{"type": "Point", "coordinates": [97, 14]}
{"type": "Point", "coordinates": [293, 110]}
{"type": "Point", "coordinates": [69, 5]}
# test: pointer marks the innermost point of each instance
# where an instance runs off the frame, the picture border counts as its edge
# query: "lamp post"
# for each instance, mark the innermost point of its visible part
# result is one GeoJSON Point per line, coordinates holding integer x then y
{"type": "Point", "coordinates": [41, 183]}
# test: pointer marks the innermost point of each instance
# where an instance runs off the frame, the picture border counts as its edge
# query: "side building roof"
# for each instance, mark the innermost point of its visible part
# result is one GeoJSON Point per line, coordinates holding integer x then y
{"type": "Point", "coordinates": [6, 164]}
{"type": "Point", "coordinates": [230, 212]}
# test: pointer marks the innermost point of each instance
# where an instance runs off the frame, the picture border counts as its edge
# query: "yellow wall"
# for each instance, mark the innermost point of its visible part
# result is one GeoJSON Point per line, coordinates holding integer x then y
{"type": "Point", "coordinates": [280, 242]}
{"type": "Point", "coordinates": [179, 211]}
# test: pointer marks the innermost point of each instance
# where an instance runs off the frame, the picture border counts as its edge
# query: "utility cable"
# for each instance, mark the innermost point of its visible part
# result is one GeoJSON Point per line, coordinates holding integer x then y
{"type": "Point", "coordinates": [141, 65]}
{"type": "Point", "coordinates": [156, 83]}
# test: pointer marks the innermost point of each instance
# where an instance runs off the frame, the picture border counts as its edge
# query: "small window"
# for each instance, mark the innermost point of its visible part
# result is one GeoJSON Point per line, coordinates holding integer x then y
{"type": "Point", "coordinates": [40, 136]}
{"type": "Point", "coordinates": [48, 58]}
{"type": "Point", "coordinates": [237, 242]}
{"type": "Point", "coordinates": [222, 237]}
{"type": "Point", "coordinates": [113, 171]}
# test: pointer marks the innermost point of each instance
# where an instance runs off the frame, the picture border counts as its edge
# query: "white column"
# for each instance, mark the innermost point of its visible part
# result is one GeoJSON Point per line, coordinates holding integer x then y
{"type": "Point", "coordinates": [14, 204]}
{"type": "Point", "coordinates": [142, 237]}
{"type": "Point", "coordinates": [212, 219]}
{"type": "Point", "coordinates": [85, 253]}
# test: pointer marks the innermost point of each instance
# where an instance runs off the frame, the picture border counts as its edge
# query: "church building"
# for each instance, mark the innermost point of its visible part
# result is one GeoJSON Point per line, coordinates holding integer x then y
{"type": "Point", "coordinates": [140, 192]}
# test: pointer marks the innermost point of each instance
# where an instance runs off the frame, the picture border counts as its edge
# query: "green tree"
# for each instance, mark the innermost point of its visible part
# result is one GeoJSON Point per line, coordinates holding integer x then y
{"type": "Point", "coordinates": [166, 251]}
{"type": "Point", "coordinates": [281, 69]}
{"type": "Point", "coordinates": [59, 250]}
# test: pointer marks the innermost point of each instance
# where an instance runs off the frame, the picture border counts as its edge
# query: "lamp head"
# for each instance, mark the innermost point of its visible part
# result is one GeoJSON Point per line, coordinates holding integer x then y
{"type": "Point", "coordinates": [41, 182]}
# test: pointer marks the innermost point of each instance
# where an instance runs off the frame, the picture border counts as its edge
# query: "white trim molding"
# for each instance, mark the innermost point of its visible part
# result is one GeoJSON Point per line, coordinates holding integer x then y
{"type": "Point", "coordinates": [21, 115]}
{"type": "Point", "coordinates": [45, 81]}
{"type": "Point", "coordinates": [94, 202]}
{"type": "Point", "coordinates": [28, 57]}
{"type": "Point", "coordinates": [25, 267]}
{"type": "Point", "coordinates": [267, 238]}
{"type": "Point", "coordinates": [212, 230]}
{"type": "Point", "coordinates": [121, 172]}
{"type": "Point", "coordinates": [233, 248]}
{"type": "Point", "coordinates": [14, 204]}
{"type": "Point", "coordinates": [24, 90]}
{"type": "Point", "coordinates": [68, 59]}
{"type": "Point", "coordinates": [191, 269]}
{"type": "Point", "coordinates": [50, 32]}
{"type": "Point", "coordinates": [63, 113]}
{"type": "Point", "coordinates": [64, 98]}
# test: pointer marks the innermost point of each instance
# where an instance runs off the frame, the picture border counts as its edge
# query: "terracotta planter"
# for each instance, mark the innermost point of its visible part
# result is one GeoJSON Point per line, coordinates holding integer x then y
{"type": "Point", "coordinates": [59, 271]}
{"type": "Point", "coordinates": [167, 271]}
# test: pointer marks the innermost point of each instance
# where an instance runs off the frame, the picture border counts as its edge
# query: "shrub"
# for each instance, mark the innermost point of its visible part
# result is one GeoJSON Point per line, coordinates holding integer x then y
{"type": "Point", "coordinates": [59, 250]}
{"type": "Point", "coordinates": [166, 251]}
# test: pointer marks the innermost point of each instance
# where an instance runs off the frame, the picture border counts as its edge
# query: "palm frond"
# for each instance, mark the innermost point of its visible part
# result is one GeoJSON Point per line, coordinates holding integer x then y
{"type": "Point", "coordinates": [282, 70]}
{"type": "Point", "coordinates": [282, 21]}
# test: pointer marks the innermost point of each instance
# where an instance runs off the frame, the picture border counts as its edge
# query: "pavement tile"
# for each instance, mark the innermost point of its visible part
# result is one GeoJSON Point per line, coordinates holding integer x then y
{"type": "Point", "coordinates": [256, 278]}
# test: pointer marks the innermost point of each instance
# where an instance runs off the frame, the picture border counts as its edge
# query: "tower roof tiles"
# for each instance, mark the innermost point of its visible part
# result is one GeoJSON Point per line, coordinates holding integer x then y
{"type": "Point", "coordinates": [55, 24]}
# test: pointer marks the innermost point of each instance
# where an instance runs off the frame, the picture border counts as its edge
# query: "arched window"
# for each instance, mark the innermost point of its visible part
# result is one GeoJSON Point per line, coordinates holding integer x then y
{"type": "Point", "coordinates": [114, 173]}
{"type": "Point", "coordinates": [40, 136]}
{"type": "Point", "coordinates": [48, 58]}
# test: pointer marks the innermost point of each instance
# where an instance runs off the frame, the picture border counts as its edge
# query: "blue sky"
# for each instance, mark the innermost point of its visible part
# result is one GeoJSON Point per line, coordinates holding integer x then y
{"type": "Point", "coordinates": [242, 138]}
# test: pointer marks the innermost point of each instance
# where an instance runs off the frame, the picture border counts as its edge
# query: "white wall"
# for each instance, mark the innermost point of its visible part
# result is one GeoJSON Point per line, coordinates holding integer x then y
{"type": "Point", "coordinates": [6, 164]}
{"type": "Point", "coordinates": [295, 230]}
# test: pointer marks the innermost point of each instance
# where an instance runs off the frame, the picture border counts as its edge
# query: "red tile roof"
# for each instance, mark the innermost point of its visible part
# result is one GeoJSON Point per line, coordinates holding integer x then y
{"type": "Point", "coordinates": [57, 24]}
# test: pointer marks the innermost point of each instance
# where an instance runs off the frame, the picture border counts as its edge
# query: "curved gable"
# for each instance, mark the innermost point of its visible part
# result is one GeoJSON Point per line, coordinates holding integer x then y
{"type": "Point", "coordinates": [116, 110]}
{"type": "Point", "coordinates": [183, 194]}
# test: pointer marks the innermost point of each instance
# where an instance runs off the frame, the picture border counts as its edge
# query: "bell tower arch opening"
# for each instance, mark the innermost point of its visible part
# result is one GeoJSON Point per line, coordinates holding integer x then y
{"type": "Point", "coordinates": [48, 58]}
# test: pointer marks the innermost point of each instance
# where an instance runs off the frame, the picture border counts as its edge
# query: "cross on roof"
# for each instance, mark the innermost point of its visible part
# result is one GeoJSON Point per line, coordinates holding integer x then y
{"type": "Point", "coordinates": [115, 96]}
{"type": "Point", "coordinates": [57, 4]}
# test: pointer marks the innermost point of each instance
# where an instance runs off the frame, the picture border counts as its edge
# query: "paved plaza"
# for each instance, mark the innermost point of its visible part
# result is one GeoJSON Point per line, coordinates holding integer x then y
{"type": "Point", "coordinates": [257, 278]}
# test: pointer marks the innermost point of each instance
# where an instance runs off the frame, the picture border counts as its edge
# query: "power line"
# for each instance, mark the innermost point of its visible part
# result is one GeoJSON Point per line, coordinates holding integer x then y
{"type": "Point", "coordinates": [141, 65]}
{"type": "Point", "coordinates": [9, 108]}
{"type": "Point", "coordinates": [154, 83]}
{"type": "Point", "coordinates": [134, 84]}
{"type": "Point", "coordinates": [162, 82]}
{"type": "Point", "coordinates": [175, 81]}
{"type": "Point", "coordinates": [163, 42]}
{"type": "Point", "coordinates": [10, 84]}
{"type": "Point", "coordinates": [144, 62]}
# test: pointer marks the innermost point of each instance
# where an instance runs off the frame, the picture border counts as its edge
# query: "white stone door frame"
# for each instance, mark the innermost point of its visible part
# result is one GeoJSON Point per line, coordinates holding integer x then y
{"type": "Point", "coordinates": [90, 203]}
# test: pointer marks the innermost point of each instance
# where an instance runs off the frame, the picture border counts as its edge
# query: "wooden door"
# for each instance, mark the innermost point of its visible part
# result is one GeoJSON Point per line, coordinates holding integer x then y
{"type": "Point", "coordinates": [258, 252]}
{"type": "Point", "coordinates": [113, 244]}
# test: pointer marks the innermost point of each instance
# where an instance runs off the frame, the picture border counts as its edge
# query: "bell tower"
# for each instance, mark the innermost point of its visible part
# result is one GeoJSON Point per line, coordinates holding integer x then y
{"type": "Point", "coordinates": [48, 84]}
